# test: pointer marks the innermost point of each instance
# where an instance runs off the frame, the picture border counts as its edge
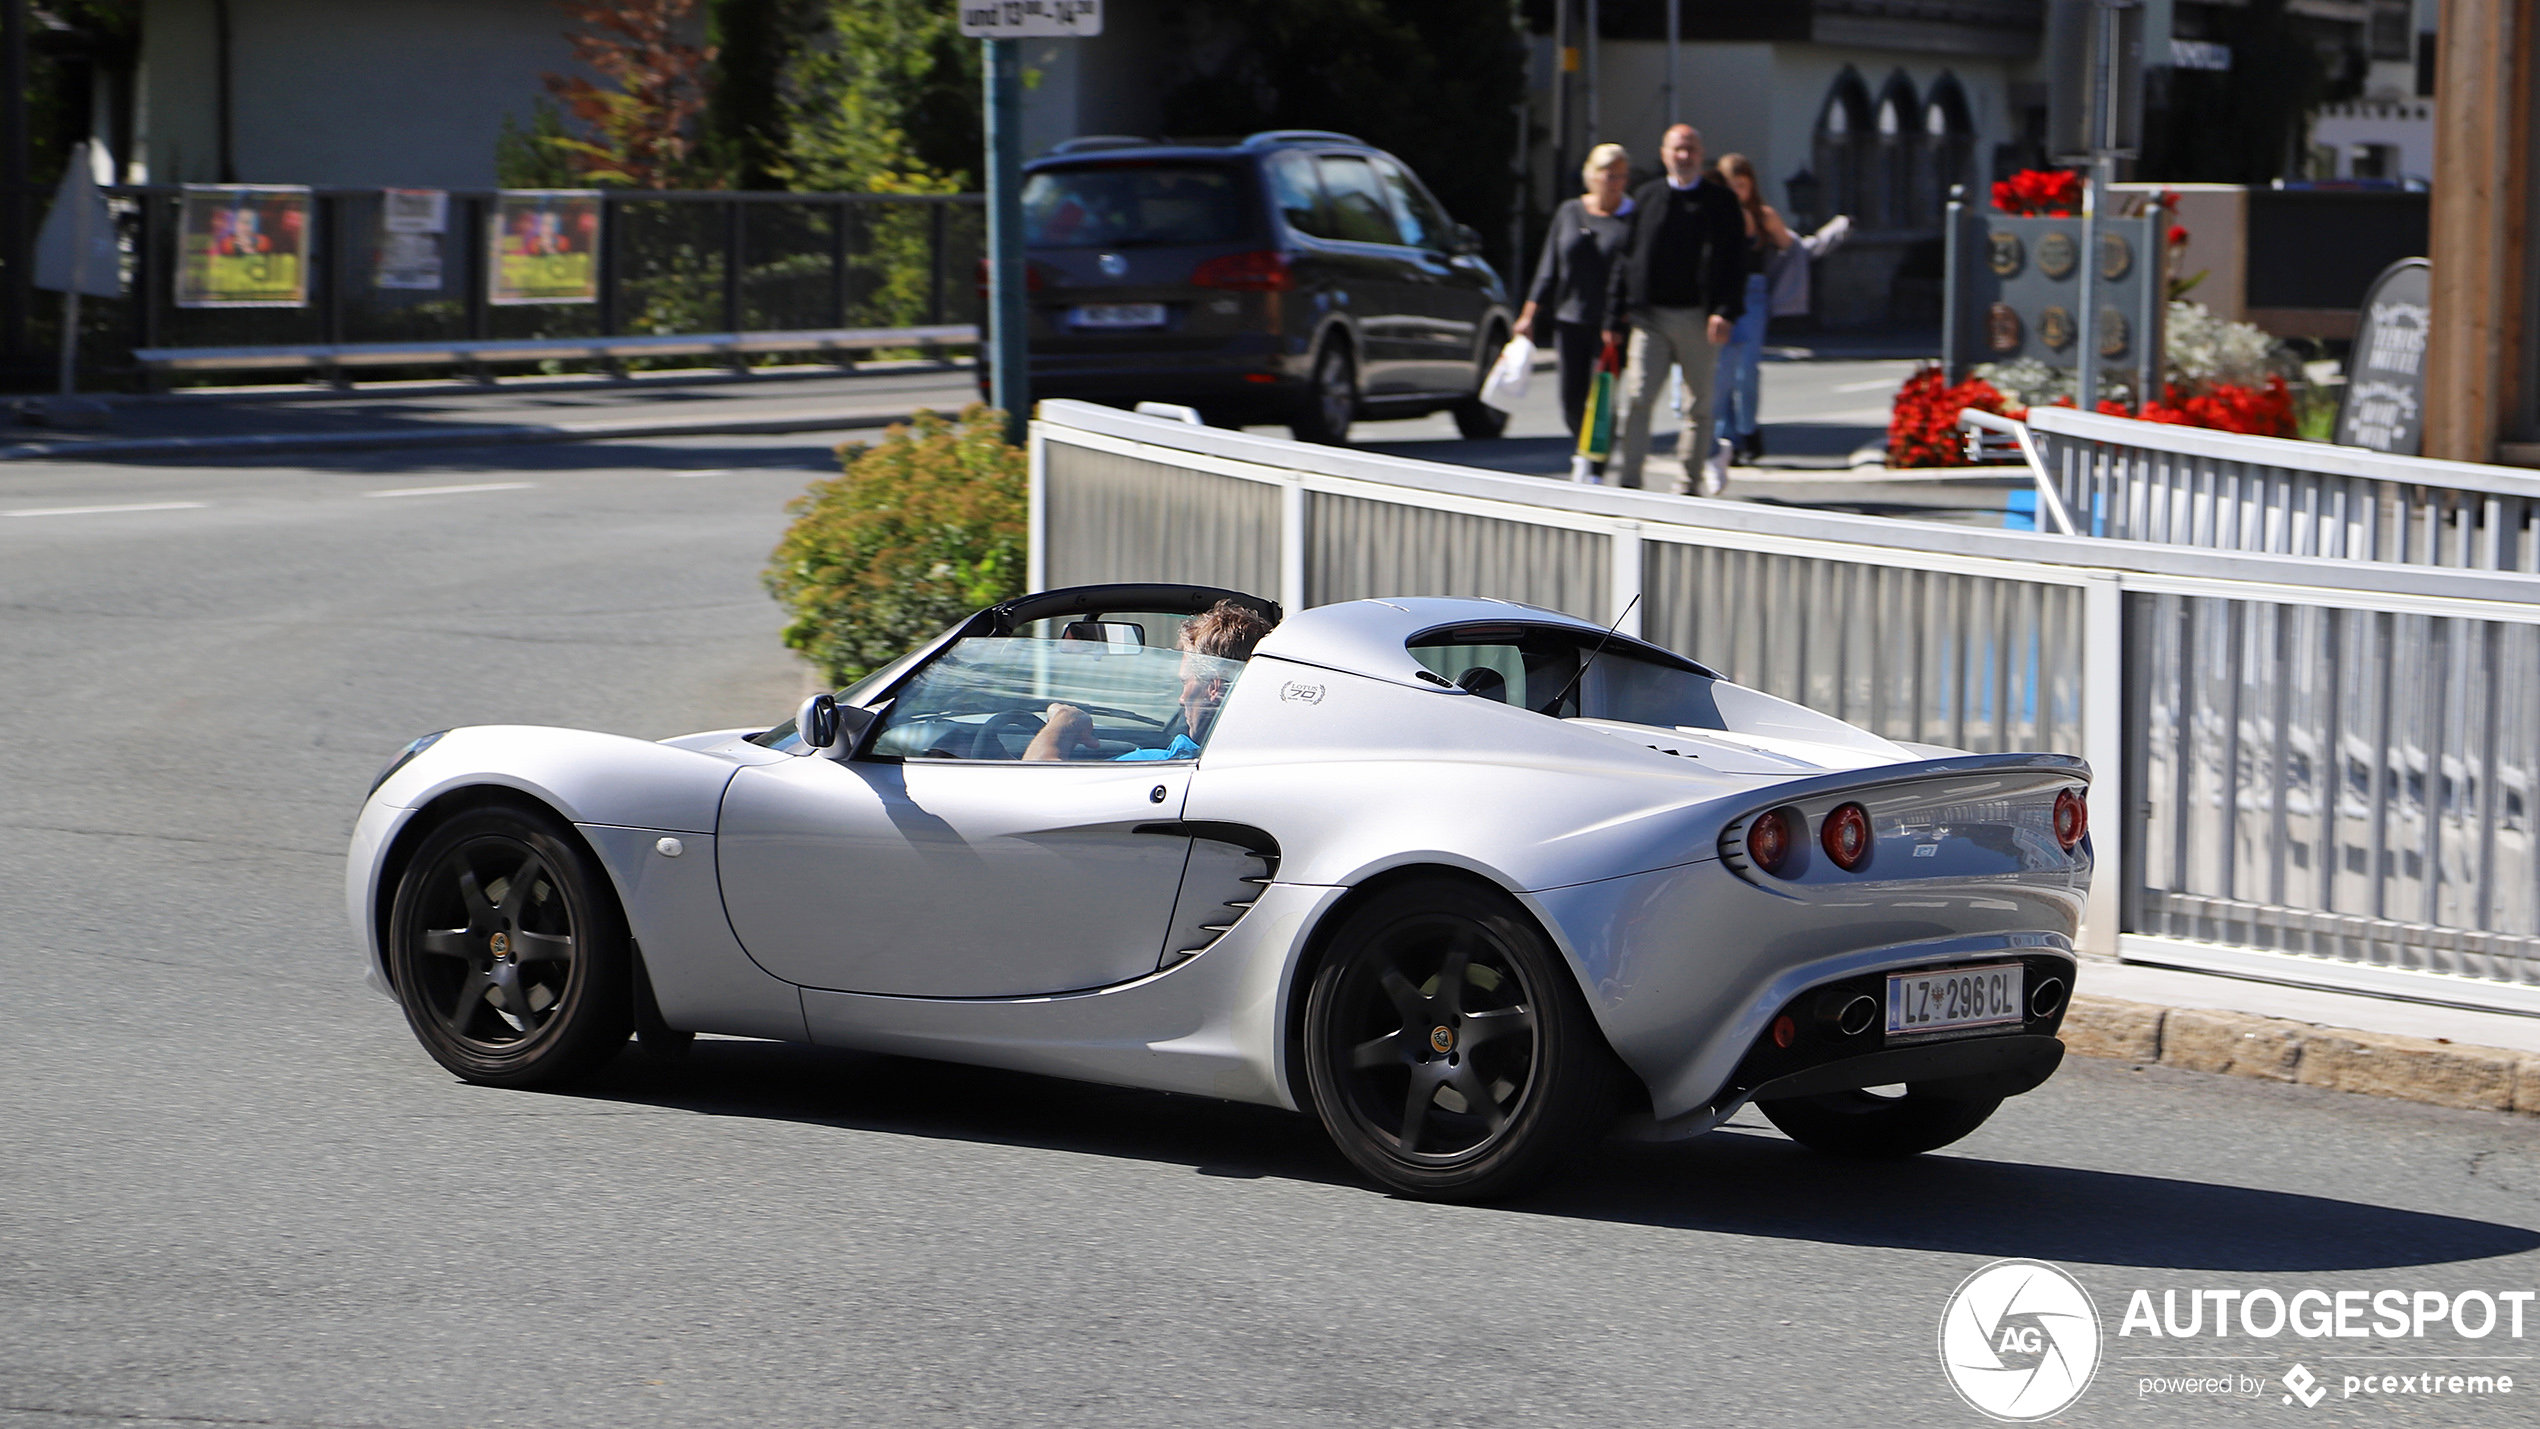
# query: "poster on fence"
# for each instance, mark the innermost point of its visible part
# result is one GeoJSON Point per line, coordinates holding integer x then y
{"type": "Point", "coordinates": [243, 246]}
{"type": "Point", "coordinates": [411, 222]}
{"type": "Point", "coordinates": [546, 246]}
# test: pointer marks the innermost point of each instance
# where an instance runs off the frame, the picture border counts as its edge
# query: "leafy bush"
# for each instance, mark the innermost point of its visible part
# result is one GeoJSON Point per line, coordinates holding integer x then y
{"type": "Point", "coordinates": [918, 530]}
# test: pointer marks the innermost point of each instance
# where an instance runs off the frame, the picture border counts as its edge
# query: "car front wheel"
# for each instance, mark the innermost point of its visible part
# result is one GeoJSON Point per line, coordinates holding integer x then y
{"type": "Point", "coordinates": [510, 954]}
{"type": "Point", "coordinates": [1869, 1124]}
{"type": "Point", "coordinates": [1331, 399]}
{"type": "Point", "coordinates": [1448, 1050]}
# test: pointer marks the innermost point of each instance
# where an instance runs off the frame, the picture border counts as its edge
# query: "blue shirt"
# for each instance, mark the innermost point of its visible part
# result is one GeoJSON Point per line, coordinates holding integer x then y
{"type": "Point", "coordinates": [1180, 748]}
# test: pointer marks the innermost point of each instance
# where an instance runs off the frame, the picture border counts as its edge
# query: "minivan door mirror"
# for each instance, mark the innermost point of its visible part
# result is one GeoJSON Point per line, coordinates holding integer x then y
{"type": "Point", "coordinates": [1466, 240]}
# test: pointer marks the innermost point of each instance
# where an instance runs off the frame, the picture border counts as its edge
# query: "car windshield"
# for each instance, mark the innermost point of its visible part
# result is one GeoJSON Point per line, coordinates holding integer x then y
{"type": "Point", "coordinates": [1538, 669]}
{"type": "Point", "coordinates": [1125, 205]}
{"type": "Point", "coordinates": [987, 696]}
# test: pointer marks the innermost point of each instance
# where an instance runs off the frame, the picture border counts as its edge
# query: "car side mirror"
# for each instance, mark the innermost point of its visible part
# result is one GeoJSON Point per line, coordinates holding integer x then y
{"type": "Point", "coordinates": [1466, 240]}
{"type": "Point", "coordinates": [827, 727]}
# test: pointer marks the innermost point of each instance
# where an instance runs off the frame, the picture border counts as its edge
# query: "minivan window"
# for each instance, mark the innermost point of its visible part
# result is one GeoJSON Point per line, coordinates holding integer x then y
{"type": "Point", "coordinates": [1124, 205]}
{"type": "Point", "coordinates": [1423, 226]}
{"type": "Point", "coordinates": [1298, 193]}
{"type": "Point", "coordinates": [1358, 208]}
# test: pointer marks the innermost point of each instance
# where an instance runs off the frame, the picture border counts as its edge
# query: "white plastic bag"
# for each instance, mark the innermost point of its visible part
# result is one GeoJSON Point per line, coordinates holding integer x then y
{"type": "Point", "coordinates": [1505, 387]}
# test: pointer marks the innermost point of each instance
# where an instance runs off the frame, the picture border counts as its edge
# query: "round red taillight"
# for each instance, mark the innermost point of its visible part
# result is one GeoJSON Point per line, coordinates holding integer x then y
{"type": "Point", "coordinates": [1768, 841]}
{"type": "Point", "coordinates": [1785, 1031]}
{"type": "Point", "coordinates": [1847, 836]}
{"type": "Point", "coordinates": [2072, 818]}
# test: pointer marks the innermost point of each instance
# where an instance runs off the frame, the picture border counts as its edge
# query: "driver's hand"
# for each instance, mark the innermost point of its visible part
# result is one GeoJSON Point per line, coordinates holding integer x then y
{"type": "Point", "coordinates": [1066, 730]}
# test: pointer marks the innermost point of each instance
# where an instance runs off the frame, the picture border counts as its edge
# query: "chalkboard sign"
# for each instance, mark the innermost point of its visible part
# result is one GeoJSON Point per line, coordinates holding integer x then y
{"type": "Point", "coordinates": [2385, 378]}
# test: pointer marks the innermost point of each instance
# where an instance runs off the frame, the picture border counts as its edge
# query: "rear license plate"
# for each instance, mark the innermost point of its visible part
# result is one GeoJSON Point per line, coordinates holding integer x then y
{"type": "Point", "coordinates": [1949, 999]}
{"type": "Point", "coordinates": [1117, 315]}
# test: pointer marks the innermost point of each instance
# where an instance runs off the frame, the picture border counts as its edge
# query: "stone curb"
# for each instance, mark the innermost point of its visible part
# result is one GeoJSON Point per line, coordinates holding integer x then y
{"type": "Point", "coordinates": [504, 435]}
{"type": "Point", "coordinates": [2276, 1049]}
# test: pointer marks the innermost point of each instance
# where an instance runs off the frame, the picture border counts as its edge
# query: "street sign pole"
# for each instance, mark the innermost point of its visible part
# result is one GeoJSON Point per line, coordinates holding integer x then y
{"type": "Point", "coordinates": [1009, 370]}
{"type": "Point", "coordinates": [1000, 26]}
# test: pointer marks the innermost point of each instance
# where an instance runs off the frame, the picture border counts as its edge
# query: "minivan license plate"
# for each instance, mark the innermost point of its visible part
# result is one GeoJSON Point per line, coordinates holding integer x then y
{"type": "Point", "coordinates": [1117, 315]}
{"type": "Point", "coordinates": [1946, 999]}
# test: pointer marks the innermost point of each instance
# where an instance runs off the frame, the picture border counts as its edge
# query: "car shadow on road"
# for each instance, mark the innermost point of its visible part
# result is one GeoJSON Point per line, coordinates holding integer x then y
{"type": "Point", "coordinates": [1731, 1182]}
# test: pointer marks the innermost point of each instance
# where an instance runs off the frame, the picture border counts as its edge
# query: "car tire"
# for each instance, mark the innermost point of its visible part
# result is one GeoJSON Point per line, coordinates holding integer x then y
{"type": "Point", "coordinates": [1478, 421]}
{"type": "Point", "coordinates": [509, 951]}
{"type": "Point", "coordinates": [1868, 1126]}
{"type": "Point", "coordinates": [1401, 1074]}
{"type": "Point", "coordinates": [1331, 398]}
{"type": "Point", "coordinates": [1475, 419]}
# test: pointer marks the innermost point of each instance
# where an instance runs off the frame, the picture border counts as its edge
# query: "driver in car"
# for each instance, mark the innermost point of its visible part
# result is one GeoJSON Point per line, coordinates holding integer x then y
{"type": "Point", "coordinates": [1226, 631]}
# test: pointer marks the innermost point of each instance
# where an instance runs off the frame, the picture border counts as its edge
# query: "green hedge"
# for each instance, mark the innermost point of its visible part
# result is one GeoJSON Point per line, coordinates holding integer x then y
{"type": "Point", "coordinates": [919, 530]}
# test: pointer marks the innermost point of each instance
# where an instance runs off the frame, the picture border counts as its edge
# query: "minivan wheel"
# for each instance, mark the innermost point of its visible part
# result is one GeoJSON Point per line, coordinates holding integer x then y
{"type": "Point", "coordinates": [1331, 399]}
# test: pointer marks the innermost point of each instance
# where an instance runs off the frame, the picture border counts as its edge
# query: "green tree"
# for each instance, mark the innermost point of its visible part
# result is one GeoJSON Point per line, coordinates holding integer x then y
{"type": "Point", "coordinates": [886, 101]}
{"type": "Point", "coordinates": [755, 43]}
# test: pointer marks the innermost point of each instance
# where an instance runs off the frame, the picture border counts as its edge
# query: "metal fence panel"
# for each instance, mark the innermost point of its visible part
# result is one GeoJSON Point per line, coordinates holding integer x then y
{"type": "Point", "coordinates": [1357, 548]}
{"type": "Point", "coordinates": [2354, 785]}
{"type": "Point", "coordinates": [2133, 481]}
{"type": "Point", "coordinates": [1117, 518]}
{"type": "Point", "coordinates": [1926, 656]}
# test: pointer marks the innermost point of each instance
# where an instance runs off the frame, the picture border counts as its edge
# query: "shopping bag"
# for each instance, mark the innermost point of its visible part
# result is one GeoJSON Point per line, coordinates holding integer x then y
{"type": "Point", "coordinates": [1596, 421]}
{"type": "Point", "coordinates": [1505, 387]}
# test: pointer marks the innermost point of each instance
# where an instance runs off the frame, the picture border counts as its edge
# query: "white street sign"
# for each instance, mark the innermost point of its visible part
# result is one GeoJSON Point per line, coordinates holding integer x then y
{"type": "Point", "coordinates": [1033, 19]}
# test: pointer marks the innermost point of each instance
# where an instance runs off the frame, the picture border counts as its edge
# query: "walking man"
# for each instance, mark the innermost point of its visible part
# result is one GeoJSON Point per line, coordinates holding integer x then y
{"type": "Point", "coordinates": [1678, 286]}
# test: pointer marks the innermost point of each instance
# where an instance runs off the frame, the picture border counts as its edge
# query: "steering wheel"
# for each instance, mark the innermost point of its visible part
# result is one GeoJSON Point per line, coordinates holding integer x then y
{"type": "Point", "coordinates": [989, 742]}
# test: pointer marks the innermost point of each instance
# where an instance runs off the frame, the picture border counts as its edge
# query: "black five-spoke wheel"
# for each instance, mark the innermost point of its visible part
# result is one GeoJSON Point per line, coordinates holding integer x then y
{"type": "Point", "coordinates": [1447, 1047]}
{"type": "Point", "coordinates": [510, 956]}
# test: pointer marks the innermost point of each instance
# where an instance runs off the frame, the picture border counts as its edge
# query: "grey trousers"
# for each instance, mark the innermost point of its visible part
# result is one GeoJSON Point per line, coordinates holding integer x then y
{"type": "Point", "coordinates": [1661, 336]}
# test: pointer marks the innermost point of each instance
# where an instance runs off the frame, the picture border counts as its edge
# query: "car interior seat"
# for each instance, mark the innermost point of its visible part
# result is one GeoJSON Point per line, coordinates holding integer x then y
{"type": "Point", "coordinates": [1486, 682]}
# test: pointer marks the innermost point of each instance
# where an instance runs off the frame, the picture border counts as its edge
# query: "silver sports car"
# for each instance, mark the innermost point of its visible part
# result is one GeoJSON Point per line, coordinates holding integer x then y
{"type": "Point", "coordinates": [1474, 882]}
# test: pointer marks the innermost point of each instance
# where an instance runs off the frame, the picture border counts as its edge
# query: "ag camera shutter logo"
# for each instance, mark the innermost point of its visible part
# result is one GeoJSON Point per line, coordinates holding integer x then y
{"type": "Point", "coordinates": [2019, 1340]}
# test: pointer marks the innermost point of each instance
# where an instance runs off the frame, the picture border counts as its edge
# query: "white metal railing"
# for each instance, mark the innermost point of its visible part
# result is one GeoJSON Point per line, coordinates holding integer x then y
{"type": "Point", "coordinates": [2151, 481]}
{"type": "Point", "coordinates": [2224, 710]}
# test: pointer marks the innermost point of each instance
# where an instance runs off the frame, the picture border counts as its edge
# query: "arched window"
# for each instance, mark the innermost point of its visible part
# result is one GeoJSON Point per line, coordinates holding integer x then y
{"type": "Point", "coordinates": [1840, 150]}
{"type": "Point", "coordinates": [1894, 155]}
{"type": "Point", "coordinates": [1949, 147]}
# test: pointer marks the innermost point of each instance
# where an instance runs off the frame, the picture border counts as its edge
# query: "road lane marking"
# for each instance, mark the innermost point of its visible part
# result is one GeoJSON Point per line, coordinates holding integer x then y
{"type": "Point", "coordinates": [717, 471]}
{"type": "Point", "coordinates": [110, 510]}
{"type": "Point", "coordinates": [454, 490]}
{"type": "Point", "coordinates": [1885, 382]}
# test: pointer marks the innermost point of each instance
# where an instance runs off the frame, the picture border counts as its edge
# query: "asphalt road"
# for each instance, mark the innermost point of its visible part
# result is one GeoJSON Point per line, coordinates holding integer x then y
{"type": "Point", "coordinates": [234, 1191]}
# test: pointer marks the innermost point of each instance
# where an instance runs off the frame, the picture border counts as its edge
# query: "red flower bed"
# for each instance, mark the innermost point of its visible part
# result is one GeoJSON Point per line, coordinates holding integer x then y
{"type": "Point", "coordinates": [2040, 193]}
{"type": "Point", "coordinates": [1922, 428]}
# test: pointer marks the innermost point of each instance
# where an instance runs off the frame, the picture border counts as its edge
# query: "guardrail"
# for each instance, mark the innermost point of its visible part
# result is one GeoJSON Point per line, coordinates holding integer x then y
{"type": "Point", "coordinates": [330, 357]}
{"type": "Point", "coordinates": [2315, 772]}
{"type": "Point", "coordinates": [2150, 481]}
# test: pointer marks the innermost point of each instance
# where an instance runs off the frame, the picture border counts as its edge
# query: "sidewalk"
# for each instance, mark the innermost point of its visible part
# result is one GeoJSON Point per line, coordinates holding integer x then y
{"type": "Point", "coordinates": [2483, 1061]}
{"type": "Point", "coordinates": [251, 421]}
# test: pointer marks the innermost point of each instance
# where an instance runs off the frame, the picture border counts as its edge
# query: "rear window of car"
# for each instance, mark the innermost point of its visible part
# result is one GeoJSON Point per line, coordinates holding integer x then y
{"type": "Point", "coordinates": [1541, 669]}
{"type": "Point", "coordinates": [1127, 205]}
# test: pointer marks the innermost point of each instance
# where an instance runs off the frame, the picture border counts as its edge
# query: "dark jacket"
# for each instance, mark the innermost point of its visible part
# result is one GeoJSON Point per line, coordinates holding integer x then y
{"type": "Point", "coordinates": [1686, 249]}
{"type": "Point", "coordinates": [1577, 263]}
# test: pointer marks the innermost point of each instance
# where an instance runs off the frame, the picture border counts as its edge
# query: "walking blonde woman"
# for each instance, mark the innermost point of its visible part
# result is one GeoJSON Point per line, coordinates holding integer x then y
{"type": "Point", "coordinates": [1571, 276]}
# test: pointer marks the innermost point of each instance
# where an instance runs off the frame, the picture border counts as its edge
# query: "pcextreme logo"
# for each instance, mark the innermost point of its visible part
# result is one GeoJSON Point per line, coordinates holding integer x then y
{"type": "Point", "coordinates": [2019, 1340]}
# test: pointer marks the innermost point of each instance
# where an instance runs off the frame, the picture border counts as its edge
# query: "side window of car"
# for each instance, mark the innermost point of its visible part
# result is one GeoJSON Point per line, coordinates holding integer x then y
{"type": "Point", "coordinates": [1359, 210]}
{"type": "Point", "coordinates": [986, 697]}
{"type": "Point", "coordinates": [1424, 225]}
{"type": "Point", "coordinates": [1298, 194]}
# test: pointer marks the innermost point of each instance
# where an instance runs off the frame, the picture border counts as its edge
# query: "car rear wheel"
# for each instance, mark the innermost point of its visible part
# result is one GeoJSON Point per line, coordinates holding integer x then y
{"type": "Point", "coordinates": [509, 952]}
{"type": "Point", "coordinates": [1448, 1050]}
{"type": "Point", "coordinates": [1475, 419]}
{"type": "Point", "coordinates": [1331, 399]}
{"type": "Point", "coordinates": [1869, 1125]}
